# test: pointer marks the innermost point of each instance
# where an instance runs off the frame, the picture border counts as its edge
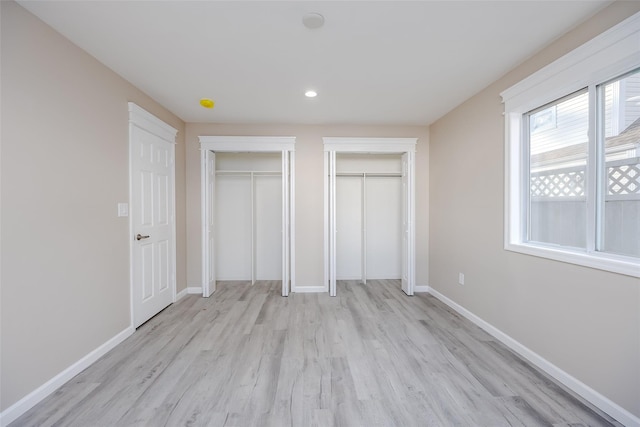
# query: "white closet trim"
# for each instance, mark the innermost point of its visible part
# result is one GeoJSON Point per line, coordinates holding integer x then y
{"type": "Point", "coordinates": [252, 144]}
{"type": "Point", "coordinates": [404, 146]}
{"type": "Point", "coordinates": [285, 145]}
{"type": "Point", "coordinates": [370, 145]}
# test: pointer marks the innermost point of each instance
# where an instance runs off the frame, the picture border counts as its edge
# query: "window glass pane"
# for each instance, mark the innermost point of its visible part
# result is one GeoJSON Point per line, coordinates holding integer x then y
{"type": "Point", "coordinates": [620, 215]}
{"type": "Point", "coordinates": [558, 146]}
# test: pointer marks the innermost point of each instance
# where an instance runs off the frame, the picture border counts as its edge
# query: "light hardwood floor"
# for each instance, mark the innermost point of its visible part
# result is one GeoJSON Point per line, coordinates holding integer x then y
{"type": "Point", "coordinates": [369, 357]}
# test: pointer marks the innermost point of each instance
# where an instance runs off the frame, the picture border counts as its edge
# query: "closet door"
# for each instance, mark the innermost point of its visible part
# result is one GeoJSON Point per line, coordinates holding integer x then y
{"type": "Point", "coordinates": [233, 227]}
{"type": "Point", "coordinates": [209, 226]}
{"type": "Point", "coordinates": [349, 227]}
{"type": "Point", "coordinates": [408, 232]}
{"type": "Point", "coordinates": [383, 211]}
{"type": "Point", "coordinates": [268, 227]}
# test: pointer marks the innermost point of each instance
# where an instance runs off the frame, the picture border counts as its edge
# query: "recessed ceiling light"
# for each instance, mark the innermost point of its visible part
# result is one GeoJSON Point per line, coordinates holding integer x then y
{"type": "Point", "coordinates": [311, 94]}
{"type": "Point", "coordinates": [207, 103]}
{"type": "Point", "coordinates": [313, 20]}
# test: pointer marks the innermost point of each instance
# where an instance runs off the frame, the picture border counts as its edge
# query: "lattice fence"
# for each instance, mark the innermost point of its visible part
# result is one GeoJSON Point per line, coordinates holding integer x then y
{"type": "Point", "coordinates": [624, 177]}
{"type": "Point", "coordinates": [567, 182]}
{"type": "Point", "coordinates": [624, 180]}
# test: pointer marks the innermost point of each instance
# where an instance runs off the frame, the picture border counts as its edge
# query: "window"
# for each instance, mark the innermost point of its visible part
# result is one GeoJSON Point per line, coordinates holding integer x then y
{"type": "Point", "coordinates": [557, 172]}
{"type": "Point", "coordinates": [619, 140]}
{"type": "Point", "coordinates": [573, 156]}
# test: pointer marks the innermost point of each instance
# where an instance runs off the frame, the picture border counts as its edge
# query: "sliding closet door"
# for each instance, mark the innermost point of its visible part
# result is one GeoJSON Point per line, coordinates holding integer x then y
{"type": "Point", "coordinates": [209, 225]}
{"type": "Point", "coordinates": [233, 224]}
{"type": "Point", "coordinates": [383, 227]}
{"type": "Point", "coordinates": [408, 217]}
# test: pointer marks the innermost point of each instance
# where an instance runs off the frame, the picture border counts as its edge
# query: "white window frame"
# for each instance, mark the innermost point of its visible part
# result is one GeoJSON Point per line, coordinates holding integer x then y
{"type": "Point", "coordinates": [609, 55]}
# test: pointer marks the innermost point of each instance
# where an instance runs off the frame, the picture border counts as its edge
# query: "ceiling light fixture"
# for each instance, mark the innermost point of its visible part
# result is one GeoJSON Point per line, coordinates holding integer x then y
{"type": "Point", "coordinates": [311, 94]}
{"type": "Point", "coordinates": [313, 20]}
{"type": "Point", "coordinates": [207, 103]}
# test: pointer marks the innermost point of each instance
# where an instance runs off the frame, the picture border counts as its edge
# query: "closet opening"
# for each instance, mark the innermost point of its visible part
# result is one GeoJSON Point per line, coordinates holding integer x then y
{"type": "Point", "coordinates": [247, 210]}
{"type": "Point", "coordinates": [369, 211]}
{"type": "Point", "coordinates": [368, 217]}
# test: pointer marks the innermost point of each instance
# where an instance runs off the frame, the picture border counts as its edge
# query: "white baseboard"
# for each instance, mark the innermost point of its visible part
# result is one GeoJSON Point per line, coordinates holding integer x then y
{"type": "Point", "coordinates": [29, 401]}
{"type": "Point", "coordinates": [181, 294]}
{"type": "Point", "coordinates": [309, 289]}
{"type": "Point", "coordinates": [603, 403]}
{"type": "Point", "coordinates": [188, 291]}
{"type": "Point", "coordinates": [420, 288]}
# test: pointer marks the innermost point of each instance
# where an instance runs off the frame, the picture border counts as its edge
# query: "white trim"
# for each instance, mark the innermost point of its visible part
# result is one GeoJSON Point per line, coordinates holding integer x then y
{"type": "Point", "coordinates": [191, 290]}
{"type": "Point", "coordinates": [333, 145]}
{"type": "Point", "coordinates": [253, 144]}
{"type": "Point", "coordinates": [357, 277]}
{"type": "Point", "coordinates": [147, 121]}
{"type": "Point", "coordinates": [370, 145]}
{"type": "Point", "coordinates": [203, 224]}
{"type": "Point", "coordinates": [603, 403]}
{"type": "Point", "coordinates": [29, 401]}
{"type": "Point", "coordinates": [309, 289]}
{"type": "Point", "coordinates": [285, 146]}
{"type": "Point", "coordinates": [292, 219]}
{"type": "Point", "coordinates": [421, 288]}
{"type": "Point", "coordinates": [412, 221]}
{"type": "Point", "coordinates": [326, 240]}
{"type": "Point", "coordinates": [616, 48]}
{"type": "Point", "coordinates": [598, 260]}
{"type": "Point", "coordinates": [610, 54]}
{"type": "Point", "coordinates": [183, 293]}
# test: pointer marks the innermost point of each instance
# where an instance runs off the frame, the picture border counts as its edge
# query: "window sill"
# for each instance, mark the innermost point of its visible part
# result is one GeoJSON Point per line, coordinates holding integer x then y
{"type": "Point", "coordinates": [613, 263]}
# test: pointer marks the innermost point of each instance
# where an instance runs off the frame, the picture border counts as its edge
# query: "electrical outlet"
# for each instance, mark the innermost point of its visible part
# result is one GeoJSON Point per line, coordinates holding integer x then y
{"type": "Point", "coordinates": [461, 278]}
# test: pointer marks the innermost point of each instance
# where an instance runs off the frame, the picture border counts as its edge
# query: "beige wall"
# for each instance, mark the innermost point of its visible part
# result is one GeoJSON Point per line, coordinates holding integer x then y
{"type": "Point", "coordinates": [309, 206]}
{"type": "Point", "coordinates": [585, 321]}
{"type": "Point", "coordinates": [65, 260]}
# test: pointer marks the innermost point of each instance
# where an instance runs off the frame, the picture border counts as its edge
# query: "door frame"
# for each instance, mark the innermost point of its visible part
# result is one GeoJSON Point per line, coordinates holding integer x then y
{"type": "Point", "coordinates": [332, 146]}
{"type": "Point", "coordinates": [285, 145]}
{"type": "Point", "coordinates": [142, 119]}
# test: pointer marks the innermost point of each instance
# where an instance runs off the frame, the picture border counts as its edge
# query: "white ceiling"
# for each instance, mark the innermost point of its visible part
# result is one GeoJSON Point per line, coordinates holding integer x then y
{"type": "Point", "coordinates": [372, 62]}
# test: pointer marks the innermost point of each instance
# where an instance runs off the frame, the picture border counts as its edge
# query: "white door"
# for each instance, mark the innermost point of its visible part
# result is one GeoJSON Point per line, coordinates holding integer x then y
{"type": "Point", "coordinates": [152, 223]}
{"type": "Point", "coordinates": [209, 168]}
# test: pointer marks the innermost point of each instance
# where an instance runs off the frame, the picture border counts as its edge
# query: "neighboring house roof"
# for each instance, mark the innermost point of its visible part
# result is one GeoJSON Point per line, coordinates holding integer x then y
{"type": "Point", "coordinates": [627, 139]}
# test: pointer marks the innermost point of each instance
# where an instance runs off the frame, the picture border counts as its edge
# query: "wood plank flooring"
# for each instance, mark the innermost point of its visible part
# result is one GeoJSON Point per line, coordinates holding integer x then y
{"type": "Point", "coordinates": [369, 357]}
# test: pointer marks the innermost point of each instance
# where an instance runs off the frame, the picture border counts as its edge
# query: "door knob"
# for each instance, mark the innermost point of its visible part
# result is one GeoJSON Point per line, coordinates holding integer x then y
{"type": "Point", "coordinates": [140, 237]}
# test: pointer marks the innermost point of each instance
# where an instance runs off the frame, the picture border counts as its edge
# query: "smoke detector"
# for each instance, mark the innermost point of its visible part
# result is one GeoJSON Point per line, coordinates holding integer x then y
{"type": "Point", "coordinates": [313, 20]}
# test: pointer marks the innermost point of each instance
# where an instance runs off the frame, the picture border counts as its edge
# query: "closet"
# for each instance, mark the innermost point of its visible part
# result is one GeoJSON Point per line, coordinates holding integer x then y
{"type": "Point", "coordinates": [368, 216]}
{"type": "Point", "coordinates": [369, 219]}
{"type": "Point", "coordinates": [247, 191]}
{"type": "Point", "coordinates": [248, 216]}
